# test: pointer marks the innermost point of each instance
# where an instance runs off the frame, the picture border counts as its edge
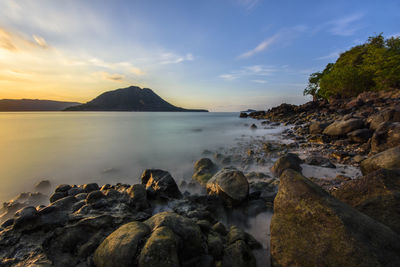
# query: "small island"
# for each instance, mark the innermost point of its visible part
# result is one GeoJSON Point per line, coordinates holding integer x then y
{"type": "Point", "coordinates": [132, 98]}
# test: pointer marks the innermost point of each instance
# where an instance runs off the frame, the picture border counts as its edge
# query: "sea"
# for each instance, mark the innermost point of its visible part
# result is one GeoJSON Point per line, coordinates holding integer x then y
{"type": "Point", "coordinates": [116, 147]}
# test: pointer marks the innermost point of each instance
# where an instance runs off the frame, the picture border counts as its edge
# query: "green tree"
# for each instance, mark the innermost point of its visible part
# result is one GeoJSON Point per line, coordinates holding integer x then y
{"type": "Point", "coordinates": [374, 65]}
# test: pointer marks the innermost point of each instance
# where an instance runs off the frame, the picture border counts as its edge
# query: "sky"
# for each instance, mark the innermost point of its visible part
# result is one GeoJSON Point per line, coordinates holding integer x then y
{"type": "Point", "coordinates": [222, 55]}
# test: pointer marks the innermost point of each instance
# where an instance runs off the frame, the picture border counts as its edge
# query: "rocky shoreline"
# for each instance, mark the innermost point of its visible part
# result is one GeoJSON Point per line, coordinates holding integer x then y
{"type": "Point", "coordinates": [341, 221]}
{"type": "Point", "coordinates": [329, 174]}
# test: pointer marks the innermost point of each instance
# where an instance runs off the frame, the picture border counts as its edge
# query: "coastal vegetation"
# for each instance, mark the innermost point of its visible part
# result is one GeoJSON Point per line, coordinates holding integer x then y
{"type": "Point", "coordinates": [372, 66]}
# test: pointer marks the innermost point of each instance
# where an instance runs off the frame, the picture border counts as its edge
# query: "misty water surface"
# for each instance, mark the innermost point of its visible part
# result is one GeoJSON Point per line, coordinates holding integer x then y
{"type": "Point", "coordinates": [107, 147]}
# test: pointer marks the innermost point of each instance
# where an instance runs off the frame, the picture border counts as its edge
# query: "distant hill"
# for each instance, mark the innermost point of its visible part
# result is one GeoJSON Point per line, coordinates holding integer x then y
{"type": "Point", "coordinates": [129, 99]}
{"type": "Point", "coordinates": [34, 105]}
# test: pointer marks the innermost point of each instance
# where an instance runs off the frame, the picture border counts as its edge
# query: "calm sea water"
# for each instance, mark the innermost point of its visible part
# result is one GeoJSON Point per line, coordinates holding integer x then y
{"type": "Point", "coordinates": [106, 147]}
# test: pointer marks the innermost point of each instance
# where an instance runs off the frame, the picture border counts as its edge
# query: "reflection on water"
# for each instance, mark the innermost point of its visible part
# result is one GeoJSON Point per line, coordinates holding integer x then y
{"type": "Point", "coordinates": [106, 147]}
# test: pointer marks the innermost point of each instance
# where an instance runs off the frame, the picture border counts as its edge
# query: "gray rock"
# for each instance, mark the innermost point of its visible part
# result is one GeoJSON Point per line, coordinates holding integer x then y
{"type": "Point", "coordinates": [388, 159]}
{"type": "Point", "coordinates": [338, 128]}
{"type": "Point", "coordinates": [120, 247]}
{"type": "Point", "coordinates": [56, 196]}
{"type": "Point", "coordinates": [238, 254]}
{"type": "Point", "coordinates": [160, 249]}
{"type": "Point", "coordinates": [360, 135]}
{"type": "Point", "coordinates": [311, 228]}
{"type": "Point", "coordinates": [160, 184]}
{"type": "Point", "coordinates": [391, 114]}
{"type": "Point", "coordinates": [94, 196]}
{"type": "Point", "coordinates": [230, 185]}
{"type": "Point", "coordinates": [75, 190]}
{"type": "Point", "coordinates": [319, 161]}
{"type": "Point", "coordinates": [289, 161]}
{"type": "Point", "coordinates": [62, 188]}
{"type": "Point", "coordinates": [188, 232]}
{"type": "Point", "coordinates": [138, 195]}
{"type": "Point", "coordinates": [204, 169]}
{"type": "Point", "coordinates": [81, 196]}
{"type": "Point", "coordinates": [386, 136]}
{"type": "Point", "coordinates": [90, 187]}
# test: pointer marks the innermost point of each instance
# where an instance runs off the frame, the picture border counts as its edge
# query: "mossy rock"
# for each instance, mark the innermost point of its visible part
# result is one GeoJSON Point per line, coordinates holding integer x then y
{"type": "Point", "coordinates": [312, 228]}
{"type": "Point", "coordinates": [121, 246]}
{"type": "Point", "coordinates": [160, 249]}
{"type": "Point", "coordinates": [376, 194]}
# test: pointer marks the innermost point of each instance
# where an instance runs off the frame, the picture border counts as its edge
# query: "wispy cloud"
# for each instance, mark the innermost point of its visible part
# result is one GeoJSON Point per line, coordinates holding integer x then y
{"type": "Point", "coordinates": [171, 58]}
{"type": "Point", "coordinates": [283, 36]}
{"type": "Point", "coordinates": [259, 81]}
{"type": "Point", "coordinates": [346, 26]}
{"type": "Point", "coordinates": [251, 72]}
{"type": "Point", "coordinates": [248, 4]}
{"type": "Point", "coordinates": [14, 42]}
{"type": "Point", "coordinates": [115, 77]}
{"type": "Point", "coordinates": [260, 47]}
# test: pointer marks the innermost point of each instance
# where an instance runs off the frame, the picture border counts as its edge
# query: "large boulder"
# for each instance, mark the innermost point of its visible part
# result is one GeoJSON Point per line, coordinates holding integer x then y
{"type": "Point", "coordinates": [391, 114]}
{"type": "Point", "coordinates": [312, 228]}
{"type": "Point", "coordinates": [204, 169]}
{"type": "Point", "coordinates": [289, 161]}
{"type": "Point", "coordinates": [343, 127]}
{"type": "Point", "coordinates": [160, 183]}
{"type": "Point", "coordinates": [120, 247]}
{"type": "Point", "coordinates": [160, 249]}
{"type": "Point", "coordinates": [230, 185]}
{"type": "Point", "coordinates": [388, 159]}
{"type": "Point", "coordinates": [376, 194]}
{"type": "Point", "coordinates": [188, 232]}
{"type": "Point", "coordinates": [386, 136]}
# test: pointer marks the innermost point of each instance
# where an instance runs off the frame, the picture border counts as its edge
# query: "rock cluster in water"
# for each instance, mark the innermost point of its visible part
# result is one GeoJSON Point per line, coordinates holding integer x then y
{"type": "Point", "coordinates": [147, 224]}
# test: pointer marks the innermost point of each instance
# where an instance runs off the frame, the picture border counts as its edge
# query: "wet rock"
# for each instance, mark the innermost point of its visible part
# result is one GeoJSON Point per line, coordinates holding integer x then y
{"type": "Point", "coordinates": [75, 190]}
{"type": "Point", "coordinates": [238, 254]}
{"type": "Point", "coordinates": [64, 203]}
{"type": "Point", "coordinates": [219, 228]}
{"type": "Point", "coordinates": [388, 159]}
{"type": "Point", "coordinates": [339, 128]}
{"type": "Point", "coordinates": [386, 136]}
{"type": "Point", "coordinates": [319, 161]}
{"type": "Point", "coordinates": [138, 194]}
{"type": "Point", "coordinates": [160, 183]}
{"type": "Point", "coordinates": [62, 188]}
{"type": "Point", "coordinates": [94, 196]}
{"type": "Point", "coordinates": [160, 249]}
{"type": "Point", "coordinates": [204, 169]}
{"type": "Point", "coordinates": [120, 247]}
{"type": "Point", "coordinates": [90, 187]}
{"type": "Point", "coordinates": [230, 185]}
{"type": "Point", "coordinates": [311, 228]}
{"type": "Point", "coordinates": [56, 196]}
{"type": "Point", "coordinates": [289, 161]}
{"type": "Point", "coordinates": [25, 214]}
{"type": "Point", "coordinates": [253, 126]}
{"type": "Point", "coordinates": [243, 115]}
{"type": "Point", "coordinates": [317, 127]}
{"type": "Point", "coordinates": [43, 186]}
{"type": "Point", "coordinates": [376, 194]}
{"type": "Point", "coordinates": [391, 114]}
{"type": "Point", "coordinates": [215, 244]}
{"type": "Point", "coordinates": [81, 196]}
{"type": "Point", "coordinates": [360, 135]}
{"type": "Point", "coordinates": [188, 232]}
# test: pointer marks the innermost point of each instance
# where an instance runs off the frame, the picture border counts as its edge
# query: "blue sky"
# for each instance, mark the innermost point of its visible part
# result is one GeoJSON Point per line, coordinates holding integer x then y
{"type": "Point", "coordinates": [223, 55]}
